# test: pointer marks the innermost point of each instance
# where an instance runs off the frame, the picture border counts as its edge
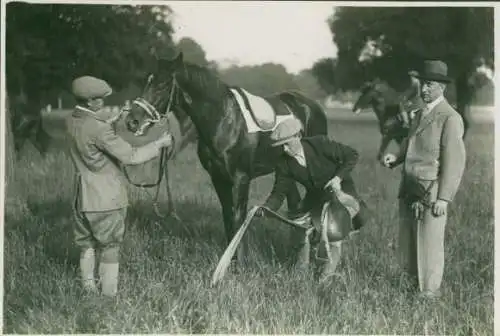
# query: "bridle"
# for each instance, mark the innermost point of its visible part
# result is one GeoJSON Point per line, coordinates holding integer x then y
{"type": "Point", "coordinates": [154, 116]}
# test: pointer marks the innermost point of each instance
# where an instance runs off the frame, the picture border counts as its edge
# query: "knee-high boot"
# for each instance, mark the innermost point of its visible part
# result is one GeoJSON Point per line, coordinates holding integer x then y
{"type": "Point", "coordinates": [303, 256]}
{"type": "Point", "coordinates": [333, 252]}
{"type": "Point", "coordinates": [109, 271]}
{"type": "Point", "coordinates": [87, 269]}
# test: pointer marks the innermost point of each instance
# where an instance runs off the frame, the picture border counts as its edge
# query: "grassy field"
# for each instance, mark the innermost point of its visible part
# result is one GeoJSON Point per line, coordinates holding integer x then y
{"type": "Point", "coordinates": [167, 265]}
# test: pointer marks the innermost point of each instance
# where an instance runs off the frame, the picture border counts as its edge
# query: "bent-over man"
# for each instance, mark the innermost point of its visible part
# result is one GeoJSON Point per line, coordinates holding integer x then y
{"type": "Point", "coordinates": [322, 166]}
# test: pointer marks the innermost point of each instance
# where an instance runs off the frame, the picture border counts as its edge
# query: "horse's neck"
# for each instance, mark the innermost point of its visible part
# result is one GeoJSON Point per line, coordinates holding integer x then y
{"type": "Point", "coordinates": [212, 118]}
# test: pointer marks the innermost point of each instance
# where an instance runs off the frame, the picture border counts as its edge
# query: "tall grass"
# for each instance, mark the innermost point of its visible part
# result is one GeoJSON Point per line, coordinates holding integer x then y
{"type": "Point", "coordinates": [167, 265]}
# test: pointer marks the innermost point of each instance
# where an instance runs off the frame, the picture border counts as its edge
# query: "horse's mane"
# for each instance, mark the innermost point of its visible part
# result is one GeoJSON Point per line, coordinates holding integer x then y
{"type": "Point", "coordinates": [204, 79]}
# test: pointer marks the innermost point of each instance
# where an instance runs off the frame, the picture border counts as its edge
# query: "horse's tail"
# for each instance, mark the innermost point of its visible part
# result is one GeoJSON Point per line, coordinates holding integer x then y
{"type": "Point", "coordinates": [310, 112]}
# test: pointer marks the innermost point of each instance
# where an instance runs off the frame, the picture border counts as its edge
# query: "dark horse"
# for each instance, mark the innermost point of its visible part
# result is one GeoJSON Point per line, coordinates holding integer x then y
{"type": "Point", "coordinates": [228, 152]}
{"type": "Point", "coordinates": [393, 110]}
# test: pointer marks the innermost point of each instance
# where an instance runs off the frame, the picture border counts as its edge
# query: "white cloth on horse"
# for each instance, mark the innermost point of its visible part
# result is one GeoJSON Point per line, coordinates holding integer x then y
{"type": "Point", "coordinates": [260, 107]}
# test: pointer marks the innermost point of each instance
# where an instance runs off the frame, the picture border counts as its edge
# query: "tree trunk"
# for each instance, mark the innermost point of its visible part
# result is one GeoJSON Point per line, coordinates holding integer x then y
{"type": "Point", "coordinates": [15, 203]}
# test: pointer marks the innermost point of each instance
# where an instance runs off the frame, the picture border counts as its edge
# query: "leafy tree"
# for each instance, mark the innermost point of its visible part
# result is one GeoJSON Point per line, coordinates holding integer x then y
{"type": "Point", "coordinates": [324, 70]}
{"type": "Point", "coordinates": [404, 37]}
{"type": "Point", "coordinates": [309, 85]}
{"type": "Point", "coordinates": [47, 45]}
{"type": "Point", "coordinates": [261, 79]}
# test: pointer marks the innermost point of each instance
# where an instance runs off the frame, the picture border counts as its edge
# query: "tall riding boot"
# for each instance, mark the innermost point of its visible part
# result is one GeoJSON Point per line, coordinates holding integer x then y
{"type": "Point", "coordinates": [87, 269]}
{"type": "Point", "coordinates": [109, 278]}
{"type": "Point", "coordinates": [109, 271]}
{"type": "Point", "coordinates": [303, 256]}
{"type": "Point", "coordinates": [359, 220]}
{"type": "Point", "coordinates": [333, 252]}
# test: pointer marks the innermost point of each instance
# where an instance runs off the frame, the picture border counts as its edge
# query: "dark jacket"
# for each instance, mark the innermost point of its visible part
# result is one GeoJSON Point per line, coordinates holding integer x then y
{"type": "Point", "coordinates": [325, 159]}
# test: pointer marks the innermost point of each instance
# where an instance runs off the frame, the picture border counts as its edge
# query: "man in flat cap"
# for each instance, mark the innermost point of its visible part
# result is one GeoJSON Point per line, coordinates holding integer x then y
{"type": "Point", "coordinates": [323, 167]}
{"type": "Point", "coordinates": [101, 196]}
{"type": "Point", "coordinates": [433, 157]}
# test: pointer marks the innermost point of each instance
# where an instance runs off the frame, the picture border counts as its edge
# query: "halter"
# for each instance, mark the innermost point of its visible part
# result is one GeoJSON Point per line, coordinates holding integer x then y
{"type": "Point", "coordinates": [152, 112]}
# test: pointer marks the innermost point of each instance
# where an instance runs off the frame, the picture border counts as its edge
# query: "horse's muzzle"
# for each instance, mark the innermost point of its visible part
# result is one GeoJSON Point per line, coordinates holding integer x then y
{"type": "Point", "coordinates": [132, 124]}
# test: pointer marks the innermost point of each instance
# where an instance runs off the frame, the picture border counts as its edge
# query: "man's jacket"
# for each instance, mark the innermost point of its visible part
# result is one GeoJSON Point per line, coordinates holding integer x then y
{"type": "Point", "coordinates": [435, 151]}
{"type": "Point", "coordinates": [325, 159]}
{"type": "Point", "coordinates": [96, 151]}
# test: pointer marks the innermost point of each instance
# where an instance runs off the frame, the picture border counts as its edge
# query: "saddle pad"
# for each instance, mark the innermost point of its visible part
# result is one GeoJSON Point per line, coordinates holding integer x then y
{"type": "Point", "coordinates": [260, 115]}
{"type": "Point", "coordinates": [147, 172]}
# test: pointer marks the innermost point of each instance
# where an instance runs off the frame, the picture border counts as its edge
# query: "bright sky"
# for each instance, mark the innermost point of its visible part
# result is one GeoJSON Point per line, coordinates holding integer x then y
{"type": "Point", "coordinates": [294, 34]}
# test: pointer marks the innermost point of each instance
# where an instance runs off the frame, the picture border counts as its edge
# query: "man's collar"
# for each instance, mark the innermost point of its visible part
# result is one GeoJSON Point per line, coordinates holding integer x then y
{"type": "Point", "coordinates": [433, 104]}
{"type": "Point", "coordinates": [85, 111]}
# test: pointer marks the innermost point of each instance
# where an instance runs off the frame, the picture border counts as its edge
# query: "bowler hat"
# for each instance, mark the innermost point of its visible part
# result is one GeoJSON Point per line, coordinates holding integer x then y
{"type": "Point", "coordinates": [285, 131]}
{"type": "Point", "coordinates": [88, 87]}
{"type": "Point", "coordinates": [434, 70]}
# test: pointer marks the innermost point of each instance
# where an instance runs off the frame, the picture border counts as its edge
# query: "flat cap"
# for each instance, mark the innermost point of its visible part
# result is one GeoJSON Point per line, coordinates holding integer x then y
{"type": "Point", "coordinates": [286, 130]}
{"type": "Point", "coordinates": [88, 87]}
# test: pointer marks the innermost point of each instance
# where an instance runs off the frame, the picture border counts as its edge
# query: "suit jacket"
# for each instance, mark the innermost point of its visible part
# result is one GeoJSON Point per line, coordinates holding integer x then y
{"type": "Point", "coordinates": [96, 150]}
{"type": "Point", "coordinates": [325, 159]}
{"type": "Point", "coordinates": [434, 151]}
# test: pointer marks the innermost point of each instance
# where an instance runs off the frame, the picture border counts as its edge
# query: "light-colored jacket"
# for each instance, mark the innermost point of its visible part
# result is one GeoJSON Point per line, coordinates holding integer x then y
{"type": "Point", "coordinates": [95, 150]}
{"type": "Point", "coordinates": [434, 150]}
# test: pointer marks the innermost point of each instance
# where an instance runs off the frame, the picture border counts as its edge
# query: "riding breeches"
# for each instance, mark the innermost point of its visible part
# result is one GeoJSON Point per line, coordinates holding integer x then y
{"type": "Point", "coordinates": [103, 230]}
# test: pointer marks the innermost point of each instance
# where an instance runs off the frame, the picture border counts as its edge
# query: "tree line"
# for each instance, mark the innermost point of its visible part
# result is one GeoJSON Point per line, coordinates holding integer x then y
{"type": "Point", "coordinates": [47, 45]}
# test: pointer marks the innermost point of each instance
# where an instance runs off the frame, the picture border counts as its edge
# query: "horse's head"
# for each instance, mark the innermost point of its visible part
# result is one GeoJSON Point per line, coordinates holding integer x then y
{"type": "Point", "coordinates": [159, 97]}
{"type": "Point", "coordinates": [371, 96]}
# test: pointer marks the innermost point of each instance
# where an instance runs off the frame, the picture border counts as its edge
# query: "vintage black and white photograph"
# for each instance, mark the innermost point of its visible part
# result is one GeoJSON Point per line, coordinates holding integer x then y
{"type": "Point", "coordinates": [248, 167]}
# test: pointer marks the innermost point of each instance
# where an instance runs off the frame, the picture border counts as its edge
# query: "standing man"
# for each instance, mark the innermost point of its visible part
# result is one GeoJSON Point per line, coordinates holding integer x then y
{"type": "Point", "coordinates": [433, 157]}
{"type": "Point", "coordinates": [323, 167]}
{"type": "Point", "coordinates": [101, 195]}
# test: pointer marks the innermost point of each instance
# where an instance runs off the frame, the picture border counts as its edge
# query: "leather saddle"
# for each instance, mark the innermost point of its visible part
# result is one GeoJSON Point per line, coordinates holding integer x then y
{"type": "Point", "coordinates": [264, 110]}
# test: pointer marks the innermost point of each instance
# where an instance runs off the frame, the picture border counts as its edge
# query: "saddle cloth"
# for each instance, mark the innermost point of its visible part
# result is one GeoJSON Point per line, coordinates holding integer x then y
{"type": "Point", "coordinates": [261, 116]}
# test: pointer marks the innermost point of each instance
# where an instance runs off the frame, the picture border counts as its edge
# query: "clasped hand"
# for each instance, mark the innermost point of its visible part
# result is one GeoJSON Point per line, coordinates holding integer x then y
{"type": "Point", "coordinates": [439, 208]}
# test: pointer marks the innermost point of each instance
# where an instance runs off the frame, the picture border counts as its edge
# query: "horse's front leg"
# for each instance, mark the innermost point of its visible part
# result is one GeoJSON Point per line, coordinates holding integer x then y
{"type": "Point", "coordinates": [233, 197]}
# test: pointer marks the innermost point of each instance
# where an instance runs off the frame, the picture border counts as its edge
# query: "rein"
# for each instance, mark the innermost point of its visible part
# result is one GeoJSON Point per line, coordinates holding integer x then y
{"type": "Point", "coordinates": [154, 118]}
